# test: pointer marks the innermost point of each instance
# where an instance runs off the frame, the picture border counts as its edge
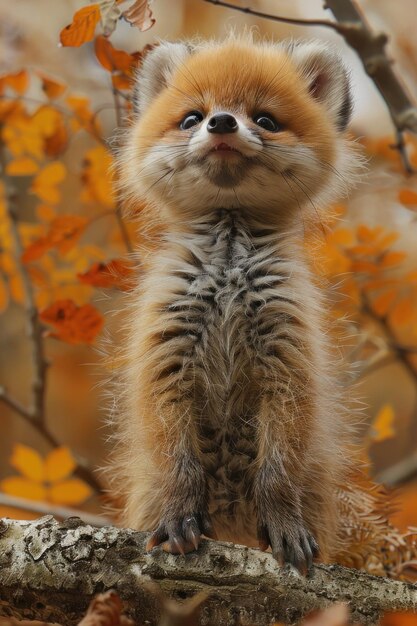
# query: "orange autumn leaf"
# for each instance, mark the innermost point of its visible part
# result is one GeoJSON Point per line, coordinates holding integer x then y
{"type": "Point", "coordinates": [63, 234]}
{"type": "Point", "coordinates": [391, 259]}
{"type": "Point", "coordinates": [69, 492]}
{"type": "Point", "coordinates": [45, 479]}
{"type": "Point", "coordinates": [111, 58]}
{"type": "Point", "coordinates": [96, 177]}
{"type": "Point", "coordinates": [383, 302]}
{"type": "Point", "coordinates": [28, 462]}
{"type": "Point", "coordinates": [382, 426]}
{"type": "Point", "coordinates": [22, 166]}
{"type": "Point", "coordinates": [341, 237]}
{"type": "Point", "coordinates": [44, 185]}
{"type": "Point", "coordinates": [73, 324]}
{"type": "Point", "coordinates": [407, 197]}
{"type": "Point", "coordinates": [23, 488]}
{"type": "Point", "coordinates": [120, 81]}
{"type": "Point", "coordinates": [59, 464]}
{"type": "Point", "coordinates": [82, 27]}
{"type": "Point", "coordinates": [402, 313]}
{"type": "Point", "coordinates": [52, 88]}
{"type": "Point", "coordinates": [367, 267]}
{"type": "Point", "coordinates": [116, 273]}
{"type": "Point", "coordinates": [399, 619]}
{"type": "Point", "coordinates": [19, 81]}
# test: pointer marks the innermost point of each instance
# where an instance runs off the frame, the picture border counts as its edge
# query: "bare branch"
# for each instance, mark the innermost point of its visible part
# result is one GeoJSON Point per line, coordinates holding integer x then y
{"type": "Point", "coordinates": [58, 567]}
{"type": "Point", "coordinates": [46, 508]}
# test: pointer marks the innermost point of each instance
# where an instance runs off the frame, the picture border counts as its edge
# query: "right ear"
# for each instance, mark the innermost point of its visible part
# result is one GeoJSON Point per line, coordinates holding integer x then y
{"type": "Point", "coordinates": [156, 71]}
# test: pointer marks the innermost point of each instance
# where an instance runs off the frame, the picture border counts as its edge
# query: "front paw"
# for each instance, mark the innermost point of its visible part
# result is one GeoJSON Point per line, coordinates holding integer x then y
{"type": "Point", "coordinates": [180, 534]}
{"type": "Point", "coordinates": [290, 541]}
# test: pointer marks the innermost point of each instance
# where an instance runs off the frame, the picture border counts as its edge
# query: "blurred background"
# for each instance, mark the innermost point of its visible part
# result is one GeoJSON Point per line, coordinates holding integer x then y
{"type": "Point", "coordinates": [64, 247]}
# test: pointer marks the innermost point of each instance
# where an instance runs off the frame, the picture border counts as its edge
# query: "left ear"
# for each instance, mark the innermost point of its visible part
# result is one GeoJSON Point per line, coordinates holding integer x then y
{"type": "Point", "coordinates": [327, 76]}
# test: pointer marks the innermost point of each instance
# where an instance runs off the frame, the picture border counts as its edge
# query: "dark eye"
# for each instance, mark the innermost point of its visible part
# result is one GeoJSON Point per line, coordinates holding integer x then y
{"type": "Point", "coordinates": [266, 121]}
{"type": "Point", "coordinates": [191, 119]}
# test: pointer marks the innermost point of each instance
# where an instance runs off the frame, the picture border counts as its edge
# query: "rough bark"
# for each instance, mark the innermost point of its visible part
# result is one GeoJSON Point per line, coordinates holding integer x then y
{"type": "Point", "coordinates": [49, 571]}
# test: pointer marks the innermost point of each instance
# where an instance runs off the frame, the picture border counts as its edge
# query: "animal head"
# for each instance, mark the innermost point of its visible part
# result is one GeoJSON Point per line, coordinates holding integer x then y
{"type": "Point", "coordinates": [238, 125]}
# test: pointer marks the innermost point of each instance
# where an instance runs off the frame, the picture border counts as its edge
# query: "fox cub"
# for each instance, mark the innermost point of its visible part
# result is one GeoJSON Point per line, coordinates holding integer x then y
{"type": "Point", "coordinates": [230, 419]}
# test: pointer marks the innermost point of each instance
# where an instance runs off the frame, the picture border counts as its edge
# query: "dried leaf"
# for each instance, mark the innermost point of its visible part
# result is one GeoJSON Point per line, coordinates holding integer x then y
{"type": "Point", "coordinates": [382, 426]}
{"type": "Point", "coordinates": [116, 273]}
{"type": "Point", "coordinates": [82, 27]}
{"type": "Point", "coordinates": [73, 324]}
{"type": "Point", "coordinates": [111, 58]}
{"type": "Point", "coordinates": [64, 232]}
{"type": "Point", "coordinates": [139, 14]}
{"type": "Point", "coordinates": [69, 492]}
{"type": "Point", "coordinates": [106, 610]}
{"type": "Point", "coordinates": [28, 462]}
{"type": "Point", "coordinates": [59, 464]}
{"type": "Point", "coordinates": [110, 13]}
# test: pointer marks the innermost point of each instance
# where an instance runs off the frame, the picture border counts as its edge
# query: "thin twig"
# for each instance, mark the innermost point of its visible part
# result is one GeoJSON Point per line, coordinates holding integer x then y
{"type": "Point", "coordinates": [46, 508]}
{"type": "Point", "coordinates": [278, 18]}
{"type": "Point", "coordinates": [370, 48]}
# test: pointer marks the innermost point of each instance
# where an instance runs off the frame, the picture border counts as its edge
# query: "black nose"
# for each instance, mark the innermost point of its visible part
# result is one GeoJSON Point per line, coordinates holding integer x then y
{"type": "Point", "coordinates": [222, 123]}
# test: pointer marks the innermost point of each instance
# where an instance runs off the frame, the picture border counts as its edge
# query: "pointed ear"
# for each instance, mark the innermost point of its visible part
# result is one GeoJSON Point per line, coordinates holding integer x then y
{"type": "Point", "coordinates": [156, 70]}
{"type": "Point", "coordinates": [328, 78]}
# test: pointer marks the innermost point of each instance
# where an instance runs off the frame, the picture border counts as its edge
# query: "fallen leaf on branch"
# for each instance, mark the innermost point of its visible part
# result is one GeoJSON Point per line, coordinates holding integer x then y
{"type": "Point", "coordinates": [82, 27]}
{"type": "Point", "coordinates": [140, 15]}
{"type": "Point", "coordinates": [106, 610]}
{"type": "Point", "coordinates": [116, 273]}
{"type": "Point", "coordinates": [73, 324]}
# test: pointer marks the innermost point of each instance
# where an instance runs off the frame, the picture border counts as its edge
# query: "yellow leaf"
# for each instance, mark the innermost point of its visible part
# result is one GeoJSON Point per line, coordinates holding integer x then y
{"type": "Point", "coordinates": [23, 488]}
{"type": "Point", "coordinates": [382, 303]}
{"type": "Point", "coordinates": [70, 492]}
{"type": "Point", "coordinates": [59, 464]}
{"type": "Point", "coordinates": [45, 213]}
{"type": "Point", "coordinates": [28, 462]}
{"type": "Point", "coordinates": [22, 166]}
{"type": "Point", "coordinates": [44, 184]}
{"type": "Point", "coordinates": [382, 427]}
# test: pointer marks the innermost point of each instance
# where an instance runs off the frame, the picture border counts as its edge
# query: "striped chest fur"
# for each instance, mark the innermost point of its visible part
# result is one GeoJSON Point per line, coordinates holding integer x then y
{"type": "Point", "coordinates": [236, 290]}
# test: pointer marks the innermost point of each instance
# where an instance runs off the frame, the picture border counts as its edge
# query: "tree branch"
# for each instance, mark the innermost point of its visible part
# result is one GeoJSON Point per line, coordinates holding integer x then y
{"type": "Point", "coordinates": [50, 570]}
{"type": "Point", "coordinates": [370, 48]}
{"type": "Point", "coordinates": [46, 508]}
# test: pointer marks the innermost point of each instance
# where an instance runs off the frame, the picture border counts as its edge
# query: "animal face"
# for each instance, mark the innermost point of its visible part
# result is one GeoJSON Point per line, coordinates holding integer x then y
{"type": "Point", "coordinates": [238, 125]}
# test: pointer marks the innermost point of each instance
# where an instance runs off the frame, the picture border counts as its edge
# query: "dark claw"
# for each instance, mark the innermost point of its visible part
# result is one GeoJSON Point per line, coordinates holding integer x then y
{"type": "Point", "coordinates": [290, 543]}
{"type": "Point", "coordinates": [180, 535]}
